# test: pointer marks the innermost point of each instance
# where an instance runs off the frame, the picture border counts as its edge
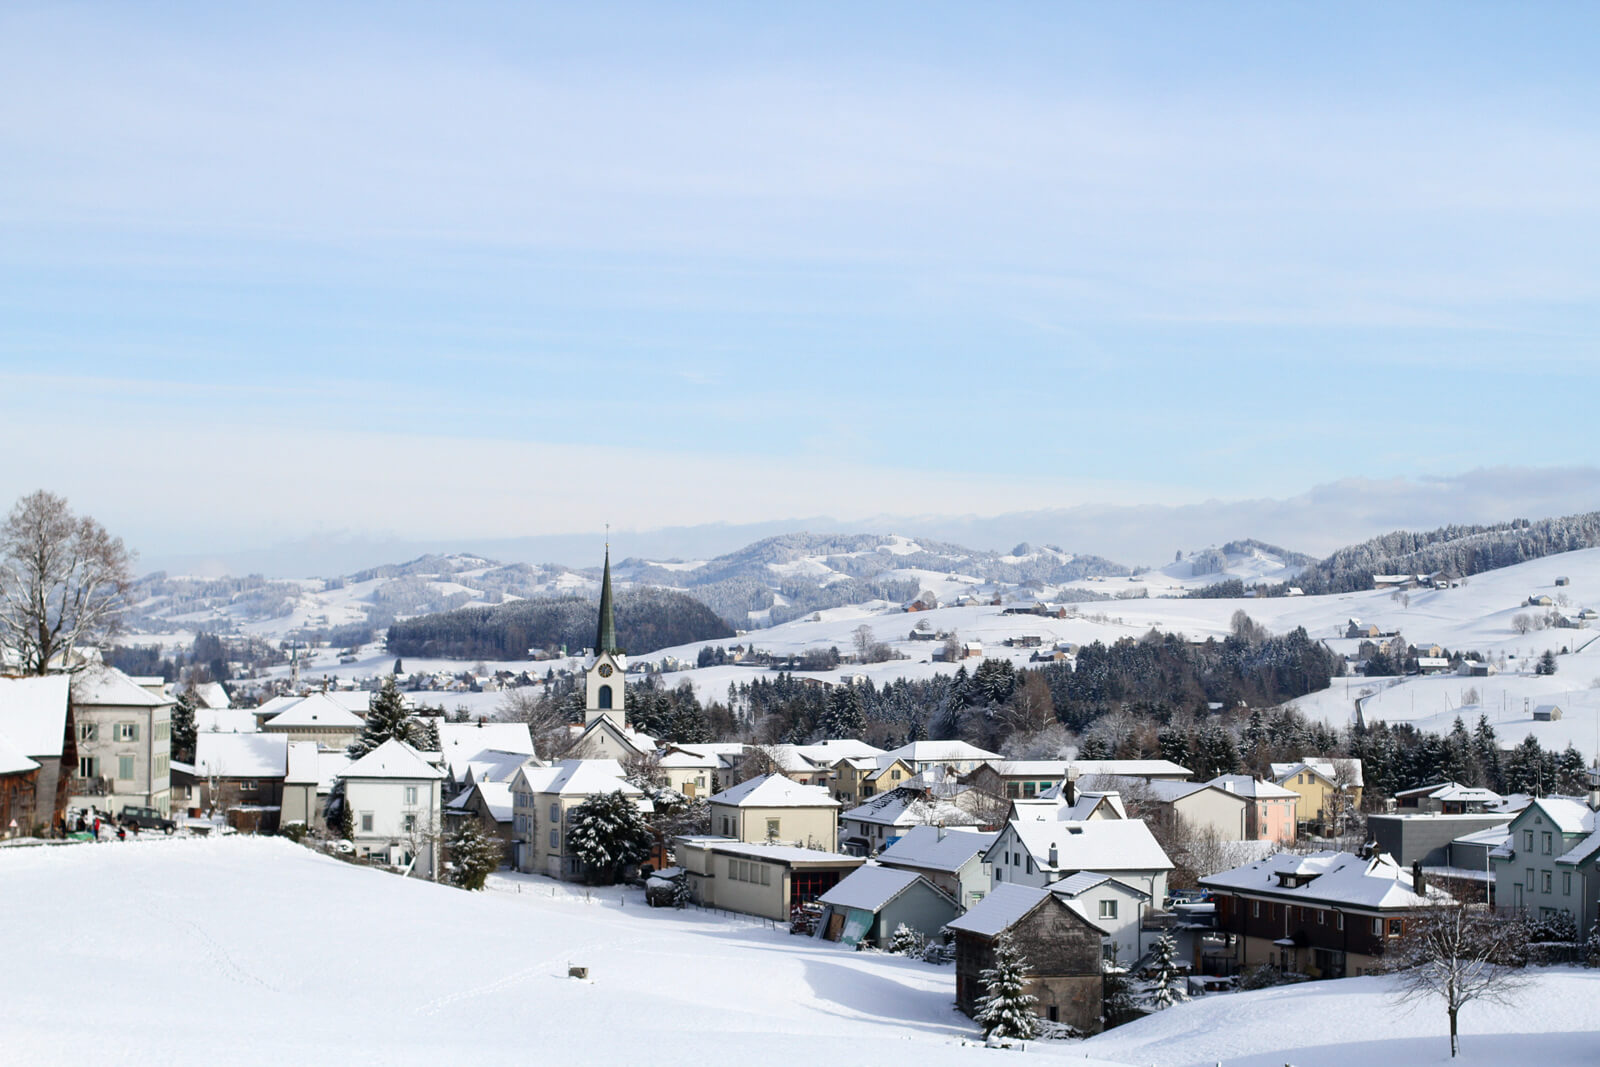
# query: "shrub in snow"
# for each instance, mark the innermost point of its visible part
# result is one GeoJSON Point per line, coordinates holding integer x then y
{"type": "Point", "coordinates": [1262, 977]}
{"type": "Point", "coordinates": [1560, 927]}
{"type": "Point", "coordinates": [1591, 947]}
{"type": "Point", "coordinates": [1166, 981]}
{"type": "Point", "coordinates": [1006, 1010]}
{"type": "Point", "coordinates": [905, 941]}
{"type": "Point", "coordinates": [470, 857]}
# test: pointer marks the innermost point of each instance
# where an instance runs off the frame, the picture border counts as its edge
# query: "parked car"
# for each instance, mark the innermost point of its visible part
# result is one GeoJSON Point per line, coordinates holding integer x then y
{"type": "Point", "coordinates": [146, 819]}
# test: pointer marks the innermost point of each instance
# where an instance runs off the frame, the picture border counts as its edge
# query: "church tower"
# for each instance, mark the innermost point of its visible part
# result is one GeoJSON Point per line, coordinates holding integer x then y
{"type": "Point", "coordinates": [603, 692]}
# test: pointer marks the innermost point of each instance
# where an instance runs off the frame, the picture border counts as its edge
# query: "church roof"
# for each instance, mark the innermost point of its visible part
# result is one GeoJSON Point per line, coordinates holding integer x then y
{"type": "Point", "coordinates": [605, 639]}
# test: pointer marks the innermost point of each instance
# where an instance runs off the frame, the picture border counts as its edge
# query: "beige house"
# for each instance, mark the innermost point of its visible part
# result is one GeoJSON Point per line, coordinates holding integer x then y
{"type": "Point", "coordinates": [775, 809]}
{"type": "Point", "coordinates": [301, 779]}
{"type": "Point", "coordinates": [690, 773]}
{"type": "Point", "coordinates": [1327, 788]}
{"type": "Point", "coordinates": [124, 741]}
{"type": "Point", "coordinates": [541, 798]}
{"type": "Point", "coordinates": [317, 718]}
{"type": "Point", "coordinates": [758, 879]}
{"type": "Point", "coordinates": [1200, 806]}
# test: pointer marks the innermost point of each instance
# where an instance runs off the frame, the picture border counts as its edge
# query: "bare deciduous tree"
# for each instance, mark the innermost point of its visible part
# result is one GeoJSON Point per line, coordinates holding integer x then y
{"type": "Point", "coordinates": [62, 581]}
{"type": "Point", "coordinates": [545, 718]}
{"type": "Point", "coordinates": [1459, 952]}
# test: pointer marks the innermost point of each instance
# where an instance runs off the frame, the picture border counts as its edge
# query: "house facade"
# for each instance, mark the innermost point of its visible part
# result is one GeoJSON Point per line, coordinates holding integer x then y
{"type": "Point", "coordinates": [392, 794]}
{"type": "Point", "coordinates": [758, 879]}
{"type": "Point", "coordinates": [34, 720]}
{"type": "Point", "coordinates": [776, 809]}
{"type": "Point", "coordinates": [952, 859]}
{"type": "Point", "coordinates": [542, 799]}
{"type": "Point", "coordinates": [1328, 789]}
{"type": "Point", "coordinates": [1546, 865]}
{"type": "Point", "coordinates": [123, 736]}
{"type": "Point", "coordinates": [1040, 852]}
{"type": "Point", "coordinates": [1270, 810]}
{"type": "Point", "coordinates": [1116, 907]}
{"type": "Point", "coordinates": [871, 902]}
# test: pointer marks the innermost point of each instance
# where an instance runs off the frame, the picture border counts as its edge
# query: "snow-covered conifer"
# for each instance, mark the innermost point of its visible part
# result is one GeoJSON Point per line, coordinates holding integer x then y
{"type": "Point", "coordinates": [1006, 1010]}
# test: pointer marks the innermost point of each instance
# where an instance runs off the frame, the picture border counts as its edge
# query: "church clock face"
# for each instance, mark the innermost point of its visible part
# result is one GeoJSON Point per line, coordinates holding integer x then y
{"type": "Point", "coordinates": [605, 670]}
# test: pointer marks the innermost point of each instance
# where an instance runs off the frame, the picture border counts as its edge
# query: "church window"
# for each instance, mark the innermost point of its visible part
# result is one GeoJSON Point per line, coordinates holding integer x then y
{"type": "Point", "coordinates": [605, 697]}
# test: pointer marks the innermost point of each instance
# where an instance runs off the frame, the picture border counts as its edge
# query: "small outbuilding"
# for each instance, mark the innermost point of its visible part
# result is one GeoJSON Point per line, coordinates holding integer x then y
{"type": "Point", "coordinates": [1547, 713]}
{"type": "Point", "coordinates": [870, 903]}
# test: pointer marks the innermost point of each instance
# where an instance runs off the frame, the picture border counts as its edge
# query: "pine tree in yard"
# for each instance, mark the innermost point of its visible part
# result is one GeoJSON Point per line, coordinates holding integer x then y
{"type": "Point", "coordinates": [183, 728]}
{"type": "Point", "coordinates": [1547, 663]}
{"type": "Point", "coordinates": [1005, 1010]}
{"type": "Point", "coordinates": [905, 941]}
{"type": "Point", "coordinates": [470, 856]}
{"type": "Point", "coordinates": [1166, 986]}
{"type": "Point", "coordinates": [606, 833]}
{"type": "Point", "coordinates": [386, 717]}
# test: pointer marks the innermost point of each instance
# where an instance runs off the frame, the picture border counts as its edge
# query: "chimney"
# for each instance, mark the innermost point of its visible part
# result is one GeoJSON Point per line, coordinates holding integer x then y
{"type": "Point", "coordinates": [1069, 788]}
{"type": "Point", "coordinates": [1055, 857]}
{"type": "Point", "coordinates": [1418, 886]}
{"type": "Point", "coordinates": [941, 832]}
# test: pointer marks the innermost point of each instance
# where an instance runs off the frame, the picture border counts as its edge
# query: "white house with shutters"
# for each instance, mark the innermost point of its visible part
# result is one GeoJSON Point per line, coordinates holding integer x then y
{"type": "Point", "coordinates": [392, 794]}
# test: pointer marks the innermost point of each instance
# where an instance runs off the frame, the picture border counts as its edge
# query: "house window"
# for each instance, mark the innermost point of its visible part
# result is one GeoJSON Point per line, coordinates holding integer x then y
{"type": "Point", "coordinates": [88, 766]}
{"type": "Point", "coordinates": [1027, 789]}
{"type": "Point", "coordinates": [411, 794]}
{"type": "Point", "coordinates": [1396, 927]}
{"type": "Point", "coordinates": [366, 822]}
{"type": "Point", "coordinates": [88, 731]}
{"type": "Point", "coordinates": [1108, 909]}
{"type": "Point", "coordinates": [772, 827]}
{"type": "Point", "coordinates": [555, 813]}
{"type": "Point", "coordinates": [163, 731]}
{"type": "Point", "coordinates": [1546, 838]}
{"type": "Point", "coordinates": [247, 786]}
{"type": "Point", "coordinates": [127, 731]}
{"type": "Point", "coordinates": [1377, 927]}
{"type": "Point", "coordinates": [1527, 840]}
{"type": "Point", "coordinates": [1544, 883]}
{"type": "Point", "coordinates": [1030, 864]}
{"type": "Point", "coordinates": [410, 824]}
{"type": "Point", "coordinates": [1530, 882]}
{"type": "Point", "coordinates": [125, 767]}
{"type": "Point", "coordinates": [1338, 920]}
{"type": "Point", "coordinates": [1322, 917]}
{"type": "Point", "coordinates": [163, 766]}
{"type": "Point", "coordinates": [555, 840]}
{"type": "Point", "coordinates": [1566, 883]}
{"type": "Point", "coordinates": [1256, 908]}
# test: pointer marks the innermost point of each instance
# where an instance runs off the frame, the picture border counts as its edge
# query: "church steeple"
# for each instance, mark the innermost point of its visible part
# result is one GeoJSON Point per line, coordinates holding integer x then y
{"type": "Point", "coordinates": [605, 639]}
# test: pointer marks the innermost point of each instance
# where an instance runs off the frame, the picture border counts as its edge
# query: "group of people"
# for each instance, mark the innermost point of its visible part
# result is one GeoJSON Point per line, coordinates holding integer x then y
{"type": "Point", "coordinates": [91, 822]}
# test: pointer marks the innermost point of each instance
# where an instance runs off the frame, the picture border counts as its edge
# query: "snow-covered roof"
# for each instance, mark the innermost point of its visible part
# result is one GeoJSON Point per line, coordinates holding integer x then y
{"type": "Point", "coordinates": [1083, 881]}
{"type": "Point", "coordinates": [1327, 768]}
{"type": "Point", "coordinates": [495, 766]}
{"type": "Point", "coordinates": [462, 741]}
{"type": "Point", "coordinates": [827, 753]}
{"type": "Point", "coordinates": [774, 791]}
{"type": "Point", "coordinates": [212, 695]}
{"type": "Point", "coordinates": [906, 807]}
{"type": "Point", "coordinates": [303, 766]}
{"type": "Point", "coordinates": [224, 721]}
{"type": "Point", "coordinates": [496, 797]}
{"type": "Point", "coordinates": [1328, 877]}
{"type": "Point", "coordinates": [870, 888]}
{"type": "Point", "coordinates": [1050, 805]}
{"type": "Point", "coordinates": [1493, 837]}
{"type": "Point", "coordinates": [1136, 768]}
{"type": "Point", "coordinates": [1097, 845]}
{"type": "Point", "coordinates": [330, 768]}
{"type": "Point", "coordinates": [1569, 816]}
{"type": "Point", "coordinates": [1033, 768]}
{"type": "Point", "coordinates": [578, 777]}
{"type": "Point", "coordinates": [792, 855]}
{"type": "Point", "coordinates": [12, 759]}
{"type": "Point", "coordinates": [316, 712]}
{"type": "Point", "coordinates": [689, 761]}
{"type": "Point", "coordinates": [241, 755]}
{"type": "Point", "coordinates": [1006, 905]}
{"type": "Point", "coordinates": [1252, 788]}
{"type": "Point", "coordinates": [934, 848]}
{"type": "Point", "coordinates": [1166, 790]}
{"type": "Point", "coordinates": [109, 687]}
{"type": "Point", "coordinates": [393, 759]}
{"type": "Point", "coordinates": [940, 752]}
{"type": "Point", "coordinates": [33, 713]}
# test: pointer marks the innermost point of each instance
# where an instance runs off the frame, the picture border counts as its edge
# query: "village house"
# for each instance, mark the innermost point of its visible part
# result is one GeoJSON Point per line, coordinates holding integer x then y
{"type": "Point", "coordinates": [302, 779]}
{"type": "Point", "coordinates": [1199, 806]}
{"type": "Point", "coordinates": [871, 902]}
{"type": "Point", "coordinates": [542, 798]}
{"type": "Point", "coordinates": [1062, 945]}
{"type": "Point", "coordinates": [19, 783]}
{"type": "Point", "coordinates": [856, 778]}
{"type": "Point", "coordinates": [775, 809]}
{"type": "Point", "coordinates": [880, 821]}
{"type": "Point", "coordinates": [461, 744]}
{"type": "Point", "coordinates": [950, 858]}
{"type": "Point", "coordinates": [318, 718]}
{"type": "Point", "coordinates": [34, 722]}
{"type": "Point", "coordinates": [1326, 914]}
{"type": "Point", "coordinates": [758, 879]}
{"type": "Point", "coordinates": [1450, 798]}
{"type": "Point", "coordinates": [1269, 809]}
{"type": "Point", "coordinates": [1329, 789]}
{"type": "Point", "coordinates": [1037, 848]}
{"type": "Point", "coordinates": [241, 775]}
{"type": "Point", "coordinates": [1151, 770]}
{"type": "Point", "coordinates": [1016, 778]}
{"type": "Point", "coordinates": [956, 756]}
{"type": "Point", "coordinates": [124, 742]}
{"type": "Point", "coordinates": [1547, 864]}
{"type": "Point", "coordinates": [392, 795]}
{"type": "Point", "coordinates": [489, 805]}
{"type": "Point", "coordinates": [1117, 908]}
{"type": "Point", "coordinates": [689, 773]}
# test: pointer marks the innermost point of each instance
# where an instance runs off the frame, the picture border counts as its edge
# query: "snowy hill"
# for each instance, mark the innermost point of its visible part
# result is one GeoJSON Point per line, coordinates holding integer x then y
{"type": "Point", "coordinates": [284, 956]}
{"type": "Point", "coordinates": [277, 955]}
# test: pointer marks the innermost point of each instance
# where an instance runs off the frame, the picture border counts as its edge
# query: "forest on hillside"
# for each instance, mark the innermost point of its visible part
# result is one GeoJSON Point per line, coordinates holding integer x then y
{"type": "Point", "coordinates": [647, 619]}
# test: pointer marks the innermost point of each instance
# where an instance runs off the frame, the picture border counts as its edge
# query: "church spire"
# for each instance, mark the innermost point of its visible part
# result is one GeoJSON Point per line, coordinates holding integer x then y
{"type": "Point", "coordinates": [605, 639]}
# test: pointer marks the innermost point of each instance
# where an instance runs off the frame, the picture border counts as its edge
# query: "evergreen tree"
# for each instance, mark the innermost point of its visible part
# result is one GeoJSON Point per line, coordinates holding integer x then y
{"type": "Point", "coordinates": [607, 833]}
{"type": "Point", "coordinates": [386, 717]}
{"type": "Point", "coordinates": [1005, 1010]}
{"type": "Point", "coordinates": [183, 728]}
{"type": "Point", "coordinates": [843, 715]}
{"type": "Point", "coordinates": [1547, 663]}
{"type": "Point", "coordinates": [1166, 986]}
{"type": "Point", "coordinates": [470, 856]}
{"type": "Point", "coordinates": [905, 941]}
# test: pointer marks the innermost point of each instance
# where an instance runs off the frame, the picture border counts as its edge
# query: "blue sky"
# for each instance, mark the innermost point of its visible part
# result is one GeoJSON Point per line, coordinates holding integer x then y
{"type": "Point", "coordinates": [425, 271]}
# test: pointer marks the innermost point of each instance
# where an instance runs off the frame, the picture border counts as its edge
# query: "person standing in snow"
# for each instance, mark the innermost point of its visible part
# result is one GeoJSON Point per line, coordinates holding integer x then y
{"type": "Point", "coordinates": [97, 827]}
{"type": "Point", "coordinates": [122, 832]}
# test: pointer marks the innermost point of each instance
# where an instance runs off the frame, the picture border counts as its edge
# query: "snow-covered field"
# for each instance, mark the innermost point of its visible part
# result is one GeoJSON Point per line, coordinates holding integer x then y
{"type": "Point", "coordinates": [178, 951]}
